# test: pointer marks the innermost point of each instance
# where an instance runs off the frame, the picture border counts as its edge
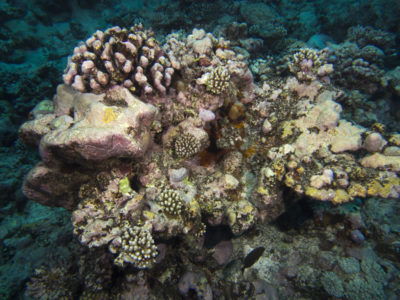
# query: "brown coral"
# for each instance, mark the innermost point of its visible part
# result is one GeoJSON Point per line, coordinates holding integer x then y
{"type": "Point", "coordinates": [186, 145]}
{"type": "Point", "coordinates": [135, 245]}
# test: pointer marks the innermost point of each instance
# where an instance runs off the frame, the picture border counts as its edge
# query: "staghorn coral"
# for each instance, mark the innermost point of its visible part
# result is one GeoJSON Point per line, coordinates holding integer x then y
{"type": "Point", "coordinates": [127, 57]}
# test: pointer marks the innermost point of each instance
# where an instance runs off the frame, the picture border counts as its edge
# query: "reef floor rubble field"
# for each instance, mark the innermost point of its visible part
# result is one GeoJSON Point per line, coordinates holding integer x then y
{"type": "Point", "coordinates": [240, 163]}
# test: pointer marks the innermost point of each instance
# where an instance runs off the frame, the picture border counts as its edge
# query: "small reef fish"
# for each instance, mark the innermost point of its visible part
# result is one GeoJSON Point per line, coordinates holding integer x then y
{"type": "Point", "coordinates": [252, 257]}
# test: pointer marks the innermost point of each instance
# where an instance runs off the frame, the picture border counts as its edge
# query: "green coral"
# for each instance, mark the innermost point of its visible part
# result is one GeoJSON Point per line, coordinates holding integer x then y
{"type": "Point", "coordinates": [124, 187]}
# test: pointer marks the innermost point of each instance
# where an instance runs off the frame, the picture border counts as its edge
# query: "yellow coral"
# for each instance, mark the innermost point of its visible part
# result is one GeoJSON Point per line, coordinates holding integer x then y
{"type": "Point", "coordinates": [279, 168]}
{"type": "Point", "coordinates": [321, 194]}
{"type": "Point", "coordinates": [357, 190]}
{"type": "Point", "coordinates": [248, 209]}
{"type": "Point", "coordinates": [289, 180]}
{"type": "Point", "coordinates": [300, 170]}
{"type": "Point", "coordinates": [341, 196]}
{"type": "Point", "coordinates": [313, 193]}
{"type": "Point", "coordinates": [194, 208]}
{"type": "Point", "coordinates": [382, 189]}
{"type": "Point", "coordinates": [109, 115]}
{"type": "Point", "coordinates": [124, 187]}
{"type": "Point", "coordinates": [149, 215]}
{"type": "Point", "coordinates": [395, 139]}
{"type": "Point", "coordinates": [288, 127]}
{"type": "Point", "coordinates": [262, 191]}
{"type": "Point", "coordinates": [358, 173]}
{"type": "Point", "coordinates": [378, 127]}
{"type": "Point", "coordinates": [231, 217]}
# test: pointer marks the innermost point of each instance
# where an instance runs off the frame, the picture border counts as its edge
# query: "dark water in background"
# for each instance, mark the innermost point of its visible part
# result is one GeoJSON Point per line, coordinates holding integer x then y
{"type": "Point", "coordinates": [357, 243]}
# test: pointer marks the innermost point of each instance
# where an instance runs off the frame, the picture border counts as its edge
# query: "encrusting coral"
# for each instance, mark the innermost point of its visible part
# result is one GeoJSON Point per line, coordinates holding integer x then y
{"type": "Point", "coordinates": [141, 161]}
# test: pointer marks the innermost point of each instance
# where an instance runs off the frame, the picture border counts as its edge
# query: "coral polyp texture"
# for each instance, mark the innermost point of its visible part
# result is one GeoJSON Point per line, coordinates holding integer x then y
{"type": "Point", "coordinates": [135, 246]}
{"type": "Point", "coordinates": [171, 202]}
{"type": "Point", "coordinates": [151, 144]}
{"type": "Point", "coordinates": [218, 81]}
{"type": "Point", "coordinates": [126, 57]}
{"type": "Point", "coordinates": [186, 145]}
{"type": "Point", "coordinates": [308, 64]}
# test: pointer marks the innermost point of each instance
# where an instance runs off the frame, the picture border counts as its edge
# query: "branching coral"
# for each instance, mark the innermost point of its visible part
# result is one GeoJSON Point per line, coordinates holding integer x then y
{"type": "Point", "coordinates": [130, 58]}
{"type": "Point", "coordinates": [308, 64]}
{"type": "Point", "coordinates": [218, 81]}
{"type": "Point", "coordinates": [171, 202]}
{"type": "Point", "coordinates": [135, 245]}
{"type": "Point", "coordinates": [359, 61]}
{"type": "Point", "coordinates": [364, 36]}
{"type": "Point", "coordinates": [212, 149]}
{"type": "Point", "coordinates": [52, 282]}
{"type": "Point", "coordinates": [186, 145]}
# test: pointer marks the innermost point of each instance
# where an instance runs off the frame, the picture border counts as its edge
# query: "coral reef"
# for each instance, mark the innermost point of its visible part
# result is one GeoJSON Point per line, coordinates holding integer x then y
{"type": "Point", "coordinates": [186, 145]}
{"type": "Point", "coordinates": [171, 202]}
{"type": "Point", "coordinates": [218, 81]}
{"type": "Point", "coordinates": [307, 147]}
{"type": "Point", "coordinates": [361, 59]}
{"type": "Point", "coordinates": [119, 57]}
{"type": "Point", "coordinates": [136, 247]}
{"type": "Point", "coordinates": [308, 64]}
{"type": "Point", "coordinates": [227, 165]}
{"type": "Point", "coordinates": [44, 281]}
{"type": "Point", "coordinates": [264, 20]}
{"type": "Point", "coordinates": [162, 181]}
